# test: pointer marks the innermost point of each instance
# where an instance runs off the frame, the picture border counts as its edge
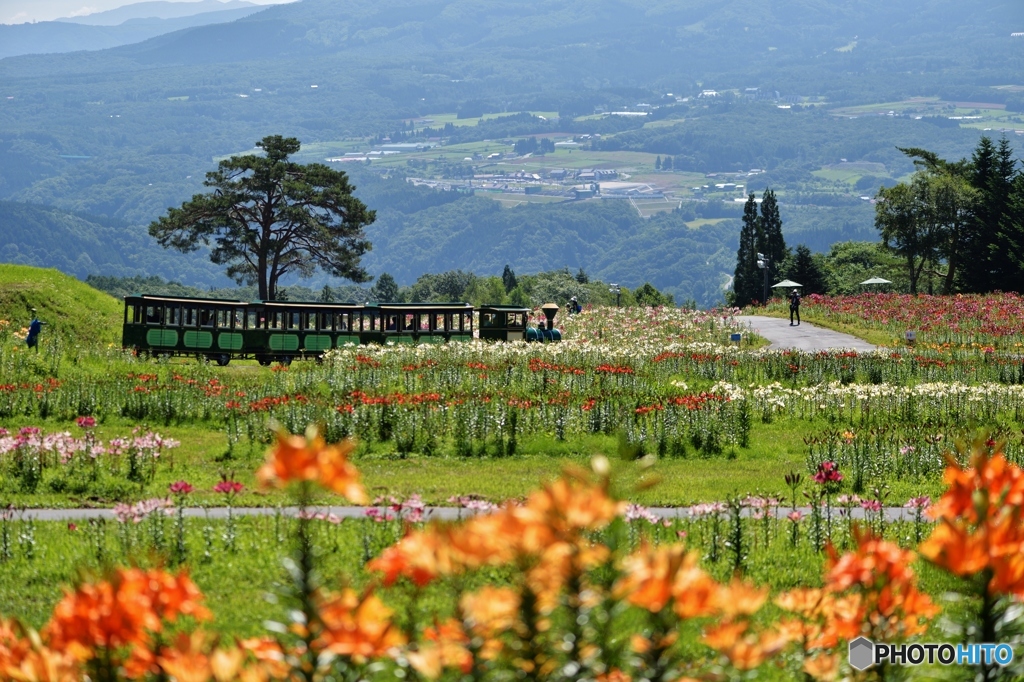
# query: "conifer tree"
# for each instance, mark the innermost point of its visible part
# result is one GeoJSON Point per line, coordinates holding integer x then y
{"type": "Point", "coordinates": [747, 279]}
{"type": "Point", "coordinates": [508, 278]}
{"type": "Point", "coordinates": [771, 242]}
{"type": "Point", "coordinates": [657, 163]}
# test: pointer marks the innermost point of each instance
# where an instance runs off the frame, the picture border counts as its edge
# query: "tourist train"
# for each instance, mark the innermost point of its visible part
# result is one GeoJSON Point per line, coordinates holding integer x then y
{"type": "Point", "coordinates": [280, 331]}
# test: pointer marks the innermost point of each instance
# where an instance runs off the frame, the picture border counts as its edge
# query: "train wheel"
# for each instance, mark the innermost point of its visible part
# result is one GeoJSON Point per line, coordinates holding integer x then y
{"type": "Point", "coordinates": [223, 359]}
{"type": "Point", "coordinates": [263, 360]}
{"type": "Point", "coordinates": [285, 360]}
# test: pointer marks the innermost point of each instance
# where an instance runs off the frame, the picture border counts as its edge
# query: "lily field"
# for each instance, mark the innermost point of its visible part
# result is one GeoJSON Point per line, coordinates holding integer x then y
{"type": "Point", "coordinates": [645, 500]}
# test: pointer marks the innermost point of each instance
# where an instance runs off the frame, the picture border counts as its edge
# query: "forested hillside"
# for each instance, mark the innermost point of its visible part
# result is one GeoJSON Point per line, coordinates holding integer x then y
{"type": "Point", "coordinates": [80, 246]}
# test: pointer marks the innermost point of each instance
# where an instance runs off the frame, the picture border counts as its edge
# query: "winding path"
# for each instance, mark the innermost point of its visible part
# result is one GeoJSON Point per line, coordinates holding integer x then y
{"type": "Point", "coordinates": [805, 337]}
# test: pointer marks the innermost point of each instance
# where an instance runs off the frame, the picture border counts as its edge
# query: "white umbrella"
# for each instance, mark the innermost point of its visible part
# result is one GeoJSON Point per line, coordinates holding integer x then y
{"type": "Point", "coordinates": [876, 280]}
{"type": "Point", "coordinates": [786, 283]}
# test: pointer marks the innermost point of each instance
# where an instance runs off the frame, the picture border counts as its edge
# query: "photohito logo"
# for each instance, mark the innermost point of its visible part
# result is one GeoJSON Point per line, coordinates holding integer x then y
{"type": "Point", "coordinates": [864, 653]}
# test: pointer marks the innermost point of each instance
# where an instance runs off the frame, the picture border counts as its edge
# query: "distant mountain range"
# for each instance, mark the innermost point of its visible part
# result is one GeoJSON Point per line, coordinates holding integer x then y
{"type": "Point", "coordinates": [158, 9]}
{"type": "Point", "coordinates": [122, 26]}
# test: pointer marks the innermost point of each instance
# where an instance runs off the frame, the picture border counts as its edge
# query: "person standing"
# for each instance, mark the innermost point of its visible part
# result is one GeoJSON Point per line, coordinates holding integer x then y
{"type": "Point", "coordinates": [794, 307]}
{"type": "Point", "coordinates": [34, 327]}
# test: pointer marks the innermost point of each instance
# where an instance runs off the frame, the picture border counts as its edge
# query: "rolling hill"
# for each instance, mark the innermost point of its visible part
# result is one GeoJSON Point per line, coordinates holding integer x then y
{"type": "Point", "coordinates": [73, 311]}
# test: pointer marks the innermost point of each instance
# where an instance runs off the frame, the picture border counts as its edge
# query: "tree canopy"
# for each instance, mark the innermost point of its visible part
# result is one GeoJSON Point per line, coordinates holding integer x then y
{"type": "Point", "coordinates": [268, 217]}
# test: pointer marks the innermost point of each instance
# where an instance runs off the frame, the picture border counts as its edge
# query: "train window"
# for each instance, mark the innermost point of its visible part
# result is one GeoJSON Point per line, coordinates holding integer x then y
{"type": "Point", "coordinates": [154, 314]}
{"type": "Point", "coordinates": [205, 318]}
{"type": "Point", "coordinates": [223, 319]}
{"type": "Point", "coordinates": [391, 323]}
{"type": "Point", "coordinates": [189, 318]}
{"type": "Point", "coordinates": [467, 321]}
{"type": "Point", "coordinates": [408, 322]}
{"type": "Point", "coordinates": [135, 314]}
{"type": "Point", "coordinates": [295, 324]}
{"type": "Point", "coordinates": [488, 319]}
{"type": "Point", "coordinates": [375, 322]}
{"type": "Point", "coordinates": [515, 321]}
{"type": "Point", "coordinates": [173, 318]}
{"type": "Point", "coordinates": [341, 322]}
{"type": "Point", "coordinates": [276, 320]}
{"type": "Point", "coordinates": [424, 322]}
{"type": "Point", "coordinates": [453, 322]}
{"type": "Point", "coordinates": [239, 321]}
{"type": "Point", "coordinates": [439, 320]}
{"type": "Point", "coordinates": [250, 319]}
{"type": "Point", "coordinates": [310, 319]}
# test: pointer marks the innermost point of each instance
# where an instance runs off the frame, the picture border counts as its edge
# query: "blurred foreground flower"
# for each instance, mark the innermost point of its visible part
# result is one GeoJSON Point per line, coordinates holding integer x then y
{"type": "Point", "coordinates": [310, 459]}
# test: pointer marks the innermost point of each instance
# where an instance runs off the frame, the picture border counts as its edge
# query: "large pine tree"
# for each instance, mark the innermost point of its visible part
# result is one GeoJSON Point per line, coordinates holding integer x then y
{"type": "Point", "coordinates": [747, 280]}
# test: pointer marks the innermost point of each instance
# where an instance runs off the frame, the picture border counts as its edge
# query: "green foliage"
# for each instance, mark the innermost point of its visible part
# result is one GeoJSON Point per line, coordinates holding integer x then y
{"type": "Point", "coordinates": [958, 215]}
{"type": "Point", "coordinates": [847, 264]}
{"type": "Point", "coordinates": [648, 296]}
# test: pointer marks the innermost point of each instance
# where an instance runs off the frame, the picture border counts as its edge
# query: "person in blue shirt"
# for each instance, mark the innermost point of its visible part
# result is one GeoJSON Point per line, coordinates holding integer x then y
{"type": "Point", "coordinates": [34, 327]}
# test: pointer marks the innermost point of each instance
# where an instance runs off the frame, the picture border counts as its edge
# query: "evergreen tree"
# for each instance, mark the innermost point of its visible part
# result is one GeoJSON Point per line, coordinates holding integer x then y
{"type": "Point", "coordinates": [805, 269]}
{"type": "Point", "coordinates": [771, 242]}
{"type": "Point", "coordinates": [1013, 226]}
{"type": "Point", "coordinates": [385, 290]}
{"type": "Point", "coordinates": [747, 279]}
{"type": "Point", "coordinates": [582, 277]}
{"type": "Point", "coordinates": [657, 163]}
{"type": "Point", "coordinates": [327, 294]}
{"type": "Point", "coordinates": [508, 278]}
{"type": "Point", "coordinates": [995, 201]}
{"type": "Point", "coordinates": [667, 163]}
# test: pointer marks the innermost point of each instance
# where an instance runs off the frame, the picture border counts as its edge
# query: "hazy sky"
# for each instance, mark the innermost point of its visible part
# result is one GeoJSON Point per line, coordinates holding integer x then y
{"type": "Point", "coordinates": [20, 11]}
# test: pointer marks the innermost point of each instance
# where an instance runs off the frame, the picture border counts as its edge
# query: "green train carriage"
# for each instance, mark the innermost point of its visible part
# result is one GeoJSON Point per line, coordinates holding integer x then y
{"type": "Point", "coordinates": [281, 331]}
{"type": "Point", "coordinates": [181, 325]}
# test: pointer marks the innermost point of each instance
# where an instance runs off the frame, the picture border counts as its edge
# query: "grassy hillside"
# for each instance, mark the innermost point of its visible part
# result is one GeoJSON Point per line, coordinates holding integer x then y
{"type": "Point", "coordinates": [72, 310]}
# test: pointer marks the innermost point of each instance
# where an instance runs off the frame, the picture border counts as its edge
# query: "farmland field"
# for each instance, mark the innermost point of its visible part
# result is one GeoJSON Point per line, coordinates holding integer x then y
{"type": "Point", "coordinates": [776, 455]}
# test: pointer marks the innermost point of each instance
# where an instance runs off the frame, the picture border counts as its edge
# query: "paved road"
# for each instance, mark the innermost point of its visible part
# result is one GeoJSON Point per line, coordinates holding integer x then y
{"type": "Point", "coordinates": [804, 337]}
{"type": "Point", "coordinates": [445, 513]}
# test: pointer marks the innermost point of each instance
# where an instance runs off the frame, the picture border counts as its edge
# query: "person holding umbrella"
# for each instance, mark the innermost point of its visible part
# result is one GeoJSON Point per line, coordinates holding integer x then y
{"type": "Point", "coordinates": [794, 306]}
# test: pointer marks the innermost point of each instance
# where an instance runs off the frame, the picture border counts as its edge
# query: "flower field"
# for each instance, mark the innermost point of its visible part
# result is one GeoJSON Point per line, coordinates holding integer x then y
{"type": "Point", "coordinates": [793, 458]}
{"type": "Point", "coordinates": [969, 321]}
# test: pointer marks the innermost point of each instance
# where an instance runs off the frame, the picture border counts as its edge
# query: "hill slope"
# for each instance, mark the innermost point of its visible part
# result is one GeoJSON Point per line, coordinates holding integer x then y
{"type": "Point", "coordinates": [73, 311]}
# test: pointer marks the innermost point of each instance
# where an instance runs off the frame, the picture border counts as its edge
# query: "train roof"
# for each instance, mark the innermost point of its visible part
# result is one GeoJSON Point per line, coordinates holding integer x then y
{"type": "Point", "coordinates": [306, 304]}
{"type": "Point", "coordinates": [504, 308]}
{"type": "Point", "coordinates": [421, 306]}
{"type": "Point", "coordinates": [141, 298]}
